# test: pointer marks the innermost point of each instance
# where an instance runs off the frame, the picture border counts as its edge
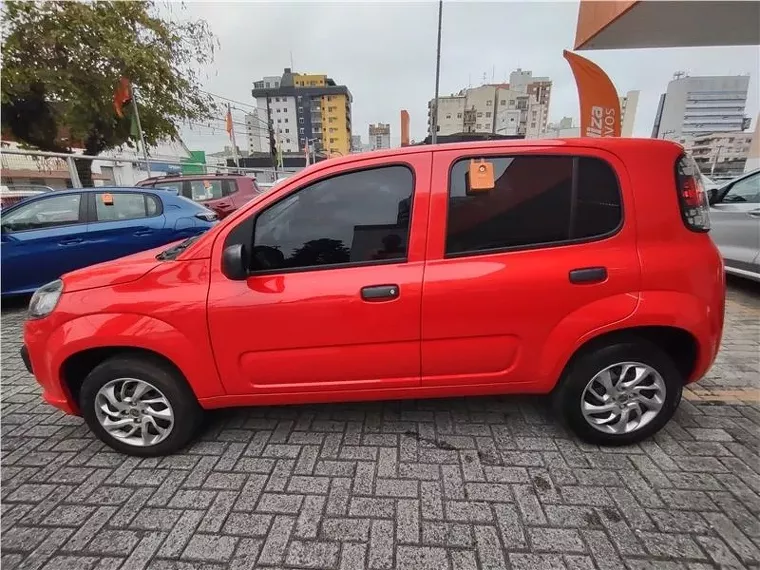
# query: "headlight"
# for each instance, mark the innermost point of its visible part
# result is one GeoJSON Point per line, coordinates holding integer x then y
{"type": "Point", "coordinates": [45, 299]}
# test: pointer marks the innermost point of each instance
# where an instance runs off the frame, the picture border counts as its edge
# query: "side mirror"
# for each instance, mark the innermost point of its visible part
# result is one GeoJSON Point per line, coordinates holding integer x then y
{"type": "Point", "coordinates": [233, 262]}
{"type": "Point", "coordinates": [713, 196]}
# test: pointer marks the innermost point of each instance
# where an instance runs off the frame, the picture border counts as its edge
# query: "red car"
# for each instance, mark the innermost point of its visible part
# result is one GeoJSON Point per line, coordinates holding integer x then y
{"type": "Point", "coordinates": [223, 193]}
{"type": "Point", "coordinates": [581, 268]}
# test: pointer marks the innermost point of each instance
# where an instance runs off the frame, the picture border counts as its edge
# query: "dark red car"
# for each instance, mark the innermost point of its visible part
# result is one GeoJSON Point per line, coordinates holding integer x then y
{"type": "Point", "coordinates": [223, 193]}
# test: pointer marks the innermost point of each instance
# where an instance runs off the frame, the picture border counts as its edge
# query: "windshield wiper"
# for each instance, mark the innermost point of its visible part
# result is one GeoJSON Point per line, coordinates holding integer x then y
{"type": "Point", "coordinates": [174, 251]}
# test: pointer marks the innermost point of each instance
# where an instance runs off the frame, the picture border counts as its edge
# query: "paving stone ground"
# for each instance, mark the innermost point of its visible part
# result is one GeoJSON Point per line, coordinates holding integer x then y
{"type": "Point", "coordinates": [452, 484]}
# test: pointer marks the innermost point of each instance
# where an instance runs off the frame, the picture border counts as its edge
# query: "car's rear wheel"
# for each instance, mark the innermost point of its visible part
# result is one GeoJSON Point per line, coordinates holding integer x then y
{"type": "Point", "coordinates": [620, 393]}
{"type": "Point", "coordinates": [139, 406]}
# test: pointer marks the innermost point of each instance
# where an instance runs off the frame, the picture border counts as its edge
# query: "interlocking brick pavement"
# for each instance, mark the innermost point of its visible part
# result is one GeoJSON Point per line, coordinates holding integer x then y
{"type": "Point", "coordinates": [452, 484]}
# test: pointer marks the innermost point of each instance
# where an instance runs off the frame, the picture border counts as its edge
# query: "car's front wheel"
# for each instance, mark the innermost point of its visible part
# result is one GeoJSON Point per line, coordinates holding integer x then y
{"type": "Point", "coordinates": [620, 393]}
{"type": "Point", "coordinates": [138, 405]}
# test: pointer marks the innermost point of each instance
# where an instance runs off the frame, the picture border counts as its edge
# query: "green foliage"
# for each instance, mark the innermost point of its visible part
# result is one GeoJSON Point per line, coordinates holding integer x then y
{"type": "Point", "coordinates": [62, 61]}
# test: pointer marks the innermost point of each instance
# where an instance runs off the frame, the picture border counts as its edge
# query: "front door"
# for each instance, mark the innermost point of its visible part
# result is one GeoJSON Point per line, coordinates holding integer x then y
{"type": "Point", "coordinates": [43, 239]}
{"type": "Point", "coordinates": [333, 299]}
{"type": "Point", "coordinates": [515, 264]}
{"type": "Point", "coordinates": [735, 224]}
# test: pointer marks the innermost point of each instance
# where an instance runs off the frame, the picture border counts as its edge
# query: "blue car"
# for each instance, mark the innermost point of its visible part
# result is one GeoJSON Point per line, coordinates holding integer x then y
{"type": "Point", "coordinates": [48, 235]}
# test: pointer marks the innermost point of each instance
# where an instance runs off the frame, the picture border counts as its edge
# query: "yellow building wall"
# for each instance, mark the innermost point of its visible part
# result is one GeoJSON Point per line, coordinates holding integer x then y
{"type": "Point", "coordinates": [336, 129]}
{"type": "Point", "coordinates": [309, 80]}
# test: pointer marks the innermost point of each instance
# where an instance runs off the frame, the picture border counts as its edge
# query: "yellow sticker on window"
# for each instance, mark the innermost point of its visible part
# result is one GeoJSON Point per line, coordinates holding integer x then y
{"type": "Point", "coordinates": [107, 199]}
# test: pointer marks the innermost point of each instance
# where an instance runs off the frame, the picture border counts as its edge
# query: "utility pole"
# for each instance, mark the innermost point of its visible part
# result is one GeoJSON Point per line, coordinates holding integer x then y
{"type": "Point", "coordinates": [140, 131]}
{"type": "Point", "coordinates": [715, 159]}
{"type": "Point", "coordinates": [434, 134]}
{"type": "Point", "coordinates": [272, 142]}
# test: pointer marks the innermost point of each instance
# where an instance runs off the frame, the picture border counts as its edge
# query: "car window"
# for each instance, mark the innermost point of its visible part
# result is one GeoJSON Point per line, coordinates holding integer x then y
{"type": "Point", "coordinates": [744, 191]}
{"type": "Point", "coordinates": [201, 190]}
{"type": "Point", "coordinates": [174, 186]}
{"type": "Point", "coordinates": [47, 212]}
{"type": "Point", "coordinates": [124, 206]}
{"type": "Point", "coordinates": [532, 204]}
{"type": "Point", "coordinates": [229, 187]}
{"type": "Point", "coordinates": [356, 217]}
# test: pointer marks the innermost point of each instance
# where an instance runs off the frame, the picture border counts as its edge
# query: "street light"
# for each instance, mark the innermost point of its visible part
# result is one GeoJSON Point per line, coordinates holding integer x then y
{"type": "Point", "coordinates": [434, 134]}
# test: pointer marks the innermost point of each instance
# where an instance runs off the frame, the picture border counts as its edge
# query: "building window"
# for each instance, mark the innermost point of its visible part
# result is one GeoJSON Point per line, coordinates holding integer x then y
{"type": "Point", "coordinates": [488, 114]}
{"type": "Point", "coordinates": [478, 126]}
{"type": "Point", "coordinates": [277, 99]}
{"type": "Point", "coordinates": [489, 103]}
{"type": "Point", "coordinates": [480, 115]}
{"type": "Point", "coordinates": [287, 141]}
{"type": "Point", "coordinates": [300, 120]}
{"type": "Point", "coordinates": [279, 120]}
{"type": "Point", "coordinates": [448, 116]}
{"type": "Point", "coordinates": [502, 102]}
{"type": "Point", "coordinates": [332, 140]}
{"type": "Point", "coordinates": [299, 98]}
{"type": "Point", "coordinates": [300, 131]}
{"type": "Point", "coordinates": [300, 110]}
{"type": "Point", "coordinates": [278, 109]}
{"type": "Point", "coordinates": [459, 115]}
{"type": "Point", "coordinates": [287, 131]}
{"type": "Point", "coordinates": [545, 216]}
{"type": "Point", "coordinates": [286, 119]}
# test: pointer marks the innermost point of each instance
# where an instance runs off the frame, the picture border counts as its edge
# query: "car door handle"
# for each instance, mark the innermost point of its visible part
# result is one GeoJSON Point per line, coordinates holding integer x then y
{"type": "Point", "coordinates": [754, 213]}
{"type": "Point", "coordinates": [70, 241]}
{"type": "Point", "coordinates": [584, 275]}
{"type": "Point", "coordinates": [380, 292]}
{"type": "Point", "coordinates": [143, 232]}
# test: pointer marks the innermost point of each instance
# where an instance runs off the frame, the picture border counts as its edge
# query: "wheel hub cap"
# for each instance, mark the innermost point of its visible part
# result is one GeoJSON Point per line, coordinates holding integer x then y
{"type": "Point", "coordinates": [134, 412]}
{"type": "Point", "coordinates": [623, 398]}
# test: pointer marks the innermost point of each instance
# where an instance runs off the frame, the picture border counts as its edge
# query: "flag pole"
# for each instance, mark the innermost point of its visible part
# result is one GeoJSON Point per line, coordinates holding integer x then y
{"type": "Point", "coordinates": [139, 130]}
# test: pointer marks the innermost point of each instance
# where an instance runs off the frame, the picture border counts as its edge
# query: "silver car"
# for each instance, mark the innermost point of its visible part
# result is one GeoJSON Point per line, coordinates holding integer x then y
{"type": "Point", "coordinates": [735, 224]}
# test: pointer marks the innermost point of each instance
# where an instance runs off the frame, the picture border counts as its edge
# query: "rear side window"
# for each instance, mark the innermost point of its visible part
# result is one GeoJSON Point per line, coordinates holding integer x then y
{"type": "Point", "coordinates": [125, 206]}
{"type": "Point", "coordinates": [202, 190]}
{"type": "Point", "coordinates": [537, 200]}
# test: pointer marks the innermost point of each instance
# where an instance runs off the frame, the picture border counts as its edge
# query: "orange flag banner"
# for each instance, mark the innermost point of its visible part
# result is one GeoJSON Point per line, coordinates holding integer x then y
{"type": "Point", "coordinates": [600, 106]}
{"type": "Point", "coordinates": [228, 121]}
{"type": "Point", "coordinates": [121, 96]}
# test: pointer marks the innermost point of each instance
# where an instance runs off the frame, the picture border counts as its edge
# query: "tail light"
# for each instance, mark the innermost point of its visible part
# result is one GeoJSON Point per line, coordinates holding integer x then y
{"type": "Point", "coordinates": [207, 216]}
{"type": "Point", "coordinates": [692, 198]}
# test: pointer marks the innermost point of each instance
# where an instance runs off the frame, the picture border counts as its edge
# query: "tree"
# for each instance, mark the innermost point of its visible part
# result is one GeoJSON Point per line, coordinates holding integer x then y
{"type": "Point", "coordinates": [62, 61]}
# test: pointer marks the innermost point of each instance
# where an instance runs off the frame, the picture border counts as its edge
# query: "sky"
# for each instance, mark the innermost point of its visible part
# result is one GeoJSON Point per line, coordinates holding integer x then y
{"type": "Point", "coordinates": [385, 54]}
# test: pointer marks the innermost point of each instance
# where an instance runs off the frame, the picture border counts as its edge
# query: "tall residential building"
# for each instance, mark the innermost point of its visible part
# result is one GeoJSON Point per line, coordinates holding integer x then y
{"type": "Point", "coordinates": [255, 127]}
{"type": "Point", "coordinates": [628, 105]}
{"type": "Point", "coordinates": [721, 155]}
{"type": "Point", "coordinates": [517, 108]}
{"type": "Point", "coordinates": [380, 136]}
{"type": "Point", "coordinates": [694, 106]}
{"type": "Point", "coordinates": [305, 107]}
{"type": "Point", "coordinates": [356, 143]}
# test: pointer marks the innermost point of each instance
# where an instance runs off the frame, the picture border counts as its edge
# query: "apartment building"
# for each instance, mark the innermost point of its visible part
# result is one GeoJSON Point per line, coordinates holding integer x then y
{"type": "Point", "coordinates": [722, 155]}
{"type": "Point", "coordinates": [628, 106]}
{"type": "Point", "coordinates": [305, 107]}
{"type": "Point", "coordinates": [517, 108]}
{"type": "Point", "coordinates": [255, 129]}
{"type": "Point", "coordinates": [380, 136]}
{"type": "Point", "coordinates": [694, 106]}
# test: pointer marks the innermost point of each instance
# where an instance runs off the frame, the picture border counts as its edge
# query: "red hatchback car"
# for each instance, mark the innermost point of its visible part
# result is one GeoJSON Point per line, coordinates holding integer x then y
{"type": "Point", "coordinates": [581, 268]}
{"type": "Point", "coordinates": [223, 193]}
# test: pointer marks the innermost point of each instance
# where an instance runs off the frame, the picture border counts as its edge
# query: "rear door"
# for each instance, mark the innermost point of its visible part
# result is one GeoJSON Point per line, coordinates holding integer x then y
{"type": "Point", "coordinates": [42, 240]}
{"type": "Point", "coordinates": [122, 223]}
{"type": "Point", "coordinates": [735, 224]}
{"type": "Point", "coordinates": [508, 270]}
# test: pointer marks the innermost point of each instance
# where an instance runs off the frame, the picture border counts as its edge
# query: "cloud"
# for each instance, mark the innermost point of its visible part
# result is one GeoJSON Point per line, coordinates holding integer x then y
{"type": "Point", "coordinates": [385, 54]}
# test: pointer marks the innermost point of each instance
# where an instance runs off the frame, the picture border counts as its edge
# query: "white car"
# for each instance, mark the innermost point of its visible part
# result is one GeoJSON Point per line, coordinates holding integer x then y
{"type": "Point", "coordinates": [735, 224]}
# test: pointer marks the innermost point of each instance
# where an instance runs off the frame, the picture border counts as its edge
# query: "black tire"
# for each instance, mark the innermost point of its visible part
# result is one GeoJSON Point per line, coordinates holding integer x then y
{"type": "Point", "coordinates": [567, 396]}
{"type": "Point", "coordinates": [188, 415]}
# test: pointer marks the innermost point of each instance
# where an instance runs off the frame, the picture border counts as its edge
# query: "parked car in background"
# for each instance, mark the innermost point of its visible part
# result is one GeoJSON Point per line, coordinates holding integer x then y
{"type": "Point", "coordinates": [53, 233]}
{"type": "Point", "coordinates": [223, 193]}
{"type": "Point", "coordinates": [409, 273]}
{"type": "Point", "coordinates": [735, 219]}
{"type": "Point", "coordinates": [15, 193]}
{"type": "Point", "coordinates": [266, 186]}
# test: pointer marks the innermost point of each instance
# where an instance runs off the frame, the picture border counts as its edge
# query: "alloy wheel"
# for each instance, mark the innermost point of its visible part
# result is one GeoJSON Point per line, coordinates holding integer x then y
{"type": "Point", "coordinates": [623, 398]}
{"type": "Point", "coordinates": [134, 411]}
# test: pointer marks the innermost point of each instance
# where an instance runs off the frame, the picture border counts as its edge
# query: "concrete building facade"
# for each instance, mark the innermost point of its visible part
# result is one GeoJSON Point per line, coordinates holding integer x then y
{"type": "Point", "coordinates": [694, 106]}
{"type": "Point", "coordinates": [628, 105]}
{"type": "Point", "coordinates": [305, 107]}
{"type": "Point", "coordinates": [517, 108]}
{"type": "Point", "coordinates": [380, 136]}
{"type": "Point", "coordinates": [720, 155]}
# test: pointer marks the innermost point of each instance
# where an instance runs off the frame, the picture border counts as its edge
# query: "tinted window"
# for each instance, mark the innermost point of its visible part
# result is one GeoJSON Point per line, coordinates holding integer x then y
{"type": "Point", "coordinates": [173, 186]}
{"type": "Point", "coordinates": [45, 213]}
{"type": "Point", "coordinates": [201, 190]}
{"type": "Point", "coordinates": [124, 206]}
{"type": "Point", "coordinates": [229, 187]}
{"type": "Point", "coordinates": [352, 218]}
{"type": "Point", "coordinates": [531, 204]}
